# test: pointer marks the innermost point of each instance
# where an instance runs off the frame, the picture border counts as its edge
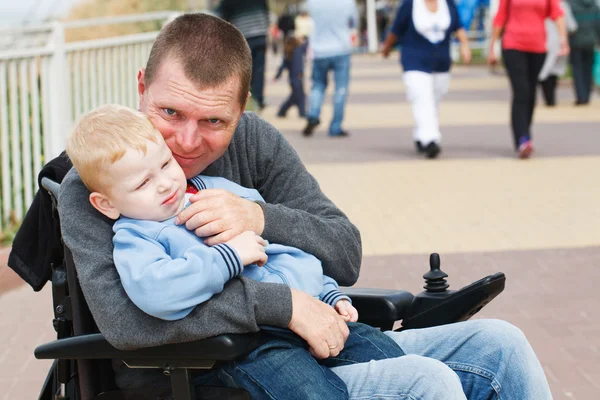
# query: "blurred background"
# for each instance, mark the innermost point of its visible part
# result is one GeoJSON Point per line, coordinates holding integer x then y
{"type": "Point", "coordinates": [477, 204]}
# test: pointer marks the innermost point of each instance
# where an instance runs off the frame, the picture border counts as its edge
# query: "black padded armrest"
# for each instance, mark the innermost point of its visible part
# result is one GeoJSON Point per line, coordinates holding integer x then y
{"type": "Point", "coordinates": [380, 307]}
{"type": "Point", "coordinates": [94, 346]}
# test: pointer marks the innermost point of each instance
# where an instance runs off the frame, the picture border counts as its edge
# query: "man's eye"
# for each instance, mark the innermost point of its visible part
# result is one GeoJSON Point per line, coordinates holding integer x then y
{"type": "Point", "coordinates": [165, 165]}
{"type": "Point", "coordinates": [214, 120]}
{"type": "Point", "coordinates": [170, 111]}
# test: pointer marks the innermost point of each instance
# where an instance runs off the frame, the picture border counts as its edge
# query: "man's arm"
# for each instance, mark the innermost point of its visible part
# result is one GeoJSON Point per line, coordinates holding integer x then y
{"type": "Point", "coordinates": [239, 308]}
{"type": "Point", "coordinates": [297, 213]}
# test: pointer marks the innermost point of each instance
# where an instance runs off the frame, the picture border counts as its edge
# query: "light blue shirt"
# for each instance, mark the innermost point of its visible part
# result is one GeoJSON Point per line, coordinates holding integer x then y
{"type": "Point", "coordinates": [166, 270]}
{"type": "Point", "coordinates": [334, 21]}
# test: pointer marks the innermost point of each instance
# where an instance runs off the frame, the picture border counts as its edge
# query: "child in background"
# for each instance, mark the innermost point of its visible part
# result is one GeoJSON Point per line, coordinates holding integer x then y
{"type": "Point", "coordinates": [294, 51]}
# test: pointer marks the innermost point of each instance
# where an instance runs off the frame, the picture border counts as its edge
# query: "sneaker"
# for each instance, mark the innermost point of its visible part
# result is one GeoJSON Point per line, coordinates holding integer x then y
{"type": "Point", "coordinates": [525, 149]}
{"type": "Point", "coordinates": [310, 127]}
{"type": "Point", "coordinates": [432, 150]}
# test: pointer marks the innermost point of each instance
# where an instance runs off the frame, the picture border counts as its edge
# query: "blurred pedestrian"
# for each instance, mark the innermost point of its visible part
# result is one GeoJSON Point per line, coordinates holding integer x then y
{"type": "Point", "coordinates": [521, 24]}
{"type": "Point", "coordinates": [303, 26]}
{"type": "Point", "coordinates": [274, 37]}
{"type": "Point", "coordinates": [555, 64]}
{"type": "Point", "coordinates": [424, 28]}
{"type": "Point", "coordinates": [251, 17]}
{"type": "Point", "coordinates": [285, 23]}
{"type": "Point", "coordinates": [293, 60]}
{"type": "Point", "coordinates": [582, 43]}
{"type": "Point", "coordinates": [331, 45]}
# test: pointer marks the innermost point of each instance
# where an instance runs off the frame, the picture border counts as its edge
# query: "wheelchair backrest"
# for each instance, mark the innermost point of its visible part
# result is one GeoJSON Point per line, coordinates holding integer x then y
{"type": "Point", "coordinates": [73, 316]}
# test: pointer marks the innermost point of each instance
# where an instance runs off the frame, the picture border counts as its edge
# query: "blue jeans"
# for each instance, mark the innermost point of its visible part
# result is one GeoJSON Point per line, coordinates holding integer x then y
{"type": "Point", "coordinates": [282, 367]}
{"type": "Point", "coordinates": [479, 359]}
{"type": "Point", "coordinates": [341, 75]}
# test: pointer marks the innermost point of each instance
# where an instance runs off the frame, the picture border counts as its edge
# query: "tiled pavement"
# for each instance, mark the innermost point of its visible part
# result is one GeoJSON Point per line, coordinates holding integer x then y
{"type": "Point", "coordinates": [479, 207]}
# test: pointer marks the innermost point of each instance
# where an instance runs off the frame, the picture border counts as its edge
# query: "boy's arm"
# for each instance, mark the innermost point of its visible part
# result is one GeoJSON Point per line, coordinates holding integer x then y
{"type": "Point", "coordinates": [165, 287]}
{"type": "Point", "coordinates": [239, 308]}
{"type": "Point", "coordinates": [331, 292]}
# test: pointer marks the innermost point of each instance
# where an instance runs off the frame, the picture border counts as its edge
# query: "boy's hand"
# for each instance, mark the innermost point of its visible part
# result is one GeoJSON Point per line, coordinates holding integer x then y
{"type": "Point", "coordinates": [346, 311]}
{"type": "Point", "coordinates": [250, 247]}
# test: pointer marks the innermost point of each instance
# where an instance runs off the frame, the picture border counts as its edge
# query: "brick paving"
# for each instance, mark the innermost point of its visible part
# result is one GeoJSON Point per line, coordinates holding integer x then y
{"type": "Point", "coordinates": [484, 211]}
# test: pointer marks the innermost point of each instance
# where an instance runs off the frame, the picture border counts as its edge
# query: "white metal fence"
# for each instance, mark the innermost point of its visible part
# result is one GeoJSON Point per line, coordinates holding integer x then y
{"type": "Point", "coordinates": [45, 87]}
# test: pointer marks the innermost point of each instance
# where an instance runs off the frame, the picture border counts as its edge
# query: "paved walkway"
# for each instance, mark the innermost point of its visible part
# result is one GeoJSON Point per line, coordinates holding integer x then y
{"type": "Point", "coordinates": [480, 208]}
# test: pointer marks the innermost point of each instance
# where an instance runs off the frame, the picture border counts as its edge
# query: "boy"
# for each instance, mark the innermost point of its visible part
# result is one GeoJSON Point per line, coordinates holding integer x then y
{"type": "Point", "coordinates": [167, 270]}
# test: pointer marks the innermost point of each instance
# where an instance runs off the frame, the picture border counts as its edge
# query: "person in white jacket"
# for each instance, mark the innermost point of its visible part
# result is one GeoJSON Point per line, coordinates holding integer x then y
{"type": "Point", "coordinates": [555, 64]}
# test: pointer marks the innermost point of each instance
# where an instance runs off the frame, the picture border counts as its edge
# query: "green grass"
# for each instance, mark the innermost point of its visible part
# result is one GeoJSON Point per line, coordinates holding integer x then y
{"type": "Point", "coordinates": [10, 231]}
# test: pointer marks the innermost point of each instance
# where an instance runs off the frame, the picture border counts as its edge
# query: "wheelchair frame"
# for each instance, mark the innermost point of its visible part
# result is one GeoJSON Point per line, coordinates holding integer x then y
{"type": "Point", "coordinates": [81, 353]}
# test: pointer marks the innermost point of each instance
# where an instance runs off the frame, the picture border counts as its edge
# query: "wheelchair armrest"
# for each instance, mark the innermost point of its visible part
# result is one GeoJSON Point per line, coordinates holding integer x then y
{"type": "Point", "coordinates": [380, 307]}
{"type": "Point", "coordinates": [95, 346]}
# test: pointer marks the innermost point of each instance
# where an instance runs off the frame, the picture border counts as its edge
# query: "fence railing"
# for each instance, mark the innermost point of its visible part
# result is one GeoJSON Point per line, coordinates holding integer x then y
{"type": "Point", "coordinates": [44, 88]}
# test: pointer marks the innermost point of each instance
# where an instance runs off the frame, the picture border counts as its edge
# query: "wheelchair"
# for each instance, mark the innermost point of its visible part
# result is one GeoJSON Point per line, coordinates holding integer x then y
{"type": "Point", "coordinates": [83, 370]}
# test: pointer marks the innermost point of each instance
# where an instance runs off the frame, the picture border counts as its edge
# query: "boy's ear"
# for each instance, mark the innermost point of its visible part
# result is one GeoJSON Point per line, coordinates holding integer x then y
{"type": "Point", "coordinates": [103, 204]}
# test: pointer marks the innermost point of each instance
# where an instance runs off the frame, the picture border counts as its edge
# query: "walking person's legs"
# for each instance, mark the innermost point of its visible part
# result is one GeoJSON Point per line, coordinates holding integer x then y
{"type": "Point", "coordinates": [299, 96]}
{"type": "Point", "coordinates": [258, 48]}
{"type": "Point", "coordinates": [341, 77]}
{"type": "Point", "coordinates": [588, 73]}
{"type": "Point", "coordinates": [549, 90]}
{"type": "Point", "coordinates": [320, 69]}
{"type": "Point", "coordinates": [285, 106]}
{"type": "Point", "coordinates": [516, 63]}
{"type": "Point", "coordinates": [576, 58]}
{"type": "Point", "coordinates": [535, 63]}
{"type": "Point", "coordinates": [421, 93]}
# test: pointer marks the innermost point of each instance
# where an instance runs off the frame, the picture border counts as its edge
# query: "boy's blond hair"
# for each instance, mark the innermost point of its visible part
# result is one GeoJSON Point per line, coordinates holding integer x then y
{"type": "Point", "coordinates": [102, 137]}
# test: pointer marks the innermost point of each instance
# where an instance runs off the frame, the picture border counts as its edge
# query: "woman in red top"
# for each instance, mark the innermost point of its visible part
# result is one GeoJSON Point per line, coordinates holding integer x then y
{"type": "Point", "coordinates": [521, 24]}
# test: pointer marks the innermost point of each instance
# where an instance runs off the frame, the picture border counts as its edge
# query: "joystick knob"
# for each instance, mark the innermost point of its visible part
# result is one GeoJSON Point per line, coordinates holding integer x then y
{"type": "Point", "coordinates": [435, 281]}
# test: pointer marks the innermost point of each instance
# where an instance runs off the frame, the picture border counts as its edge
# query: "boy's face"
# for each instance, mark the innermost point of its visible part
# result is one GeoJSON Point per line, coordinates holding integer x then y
{"type": "Point", "coordinates": [147, 186]}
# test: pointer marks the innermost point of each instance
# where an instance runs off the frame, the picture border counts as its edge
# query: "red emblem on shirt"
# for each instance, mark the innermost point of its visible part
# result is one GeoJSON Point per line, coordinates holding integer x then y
{"type": "Point", "coordinates": [191, 188]}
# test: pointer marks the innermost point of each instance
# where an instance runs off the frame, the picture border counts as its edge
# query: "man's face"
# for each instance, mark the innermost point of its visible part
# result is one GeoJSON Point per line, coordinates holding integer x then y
{"type": "Point", "coordinates": [148, 186]}
{"type": "Point", "coordinates": [197, 123]}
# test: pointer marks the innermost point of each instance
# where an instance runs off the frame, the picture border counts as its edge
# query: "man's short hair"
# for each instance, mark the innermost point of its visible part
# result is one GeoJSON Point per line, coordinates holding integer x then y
{"type": "Point", "coordinates": [210, 49]}
{"type": "Point", "coordinates": [102, 136]}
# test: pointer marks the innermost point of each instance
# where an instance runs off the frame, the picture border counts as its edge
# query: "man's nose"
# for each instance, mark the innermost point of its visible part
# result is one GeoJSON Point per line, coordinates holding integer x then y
{"type": "Point", "coordinates": [188, 138]}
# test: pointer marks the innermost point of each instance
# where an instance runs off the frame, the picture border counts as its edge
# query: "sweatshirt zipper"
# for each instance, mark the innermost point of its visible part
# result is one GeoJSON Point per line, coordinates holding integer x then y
{"type": "Point", "coordinates": [280, 274]}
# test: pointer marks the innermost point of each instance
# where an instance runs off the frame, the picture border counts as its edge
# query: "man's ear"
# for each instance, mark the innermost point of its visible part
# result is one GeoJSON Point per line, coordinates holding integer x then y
{"type": "Point", "coordinates": [103, 204]}
{"type": "Point", "coordinates": [141, 86]}
{"type": "Point", "coordinates": [246, 103]}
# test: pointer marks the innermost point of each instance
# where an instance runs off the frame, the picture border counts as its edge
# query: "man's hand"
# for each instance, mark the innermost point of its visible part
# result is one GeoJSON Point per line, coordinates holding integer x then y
{"type": "Point", "coordinates": [346, 311]}
{"type": "Point", "coordinates": [250, 247]}
{"type": "Point", "coordinates": [318, 324]}
{"type": "Point", "coordinates": [219, 216]}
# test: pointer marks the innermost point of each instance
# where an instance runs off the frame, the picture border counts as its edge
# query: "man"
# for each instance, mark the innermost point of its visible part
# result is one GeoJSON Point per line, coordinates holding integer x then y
{"type": "Point", "coordinates": [194, 89]}
{"type": "Point", "coordinates": [252, 18]}
{"type": "Point", "coordinates": [331, 44]}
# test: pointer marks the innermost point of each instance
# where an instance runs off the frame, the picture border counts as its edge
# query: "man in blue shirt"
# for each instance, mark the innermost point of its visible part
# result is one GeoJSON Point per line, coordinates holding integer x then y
{"type": "Point", "coordinates": [331, 45]}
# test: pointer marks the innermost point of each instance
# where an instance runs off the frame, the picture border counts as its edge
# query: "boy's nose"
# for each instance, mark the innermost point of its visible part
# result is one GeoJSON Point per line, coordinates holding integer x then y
{"type": "Point", "coordinates": [165, 185]}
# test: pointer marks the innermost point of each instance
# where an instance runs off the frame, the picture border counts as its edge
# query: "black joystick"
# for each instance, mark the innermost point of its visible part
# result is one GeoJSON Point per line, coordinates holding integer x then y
{"type": "Point", "coordinates": [435, 281]}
